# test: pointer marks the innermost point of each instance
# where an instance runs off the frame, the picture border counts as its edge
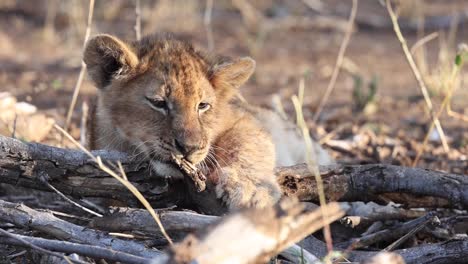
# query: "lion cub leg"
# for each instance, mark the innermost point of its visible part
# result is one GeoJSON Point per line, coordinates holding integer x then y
{"type": "Point", "coordinates": [245, 160]}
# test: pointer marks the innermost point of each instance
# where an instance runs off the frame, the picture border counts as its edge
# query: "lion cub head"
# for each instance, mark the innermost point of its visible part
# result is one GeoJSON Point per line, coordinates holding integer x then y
{"type": "Point", "coordinates": [162, 96]}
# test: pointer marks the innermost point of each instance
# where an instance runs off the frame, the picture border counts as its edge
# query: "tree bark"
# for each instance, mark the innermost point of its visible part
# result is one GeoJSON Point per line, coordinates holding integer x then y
{"type": "Point", "coordinates": [74, 174]}
{"type": "Point", "coordinates": [366, 182]}
{"type": "Point", "coordinates": [23, 216]}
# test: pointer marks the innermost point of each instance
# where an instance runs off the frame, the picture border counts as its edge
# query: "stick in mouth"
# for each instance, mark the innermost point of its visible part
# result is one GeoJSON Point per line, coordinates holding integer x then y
{"type": "Point", "coordinates": [190, 170]}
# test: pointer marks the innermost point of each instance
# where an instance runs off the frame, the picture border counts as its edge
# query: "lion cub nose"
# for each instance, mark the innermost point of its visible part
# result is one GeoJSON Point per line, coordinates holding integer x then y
{"type": "Point", "coordinates": [185, 148]}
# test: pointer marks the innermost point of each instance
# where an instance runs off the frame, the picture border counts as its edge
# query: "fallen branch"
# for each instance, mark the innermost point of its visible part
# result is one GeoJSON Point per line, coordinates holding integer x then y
{"type": "Point", "coordinates": [74, 174]}
{"type": "Point", "coordinates": [19, 240]}
{"type": "Point", "coordinates": [23, 216]}
{"type": "Point", "coordinates": [393, 233]}
{"type": "Point", "coordinates": [366, 182]}
{"type": "Point", "coordinates": [364, 214]}
{"type": "Point", "coordinates": [68, 247]}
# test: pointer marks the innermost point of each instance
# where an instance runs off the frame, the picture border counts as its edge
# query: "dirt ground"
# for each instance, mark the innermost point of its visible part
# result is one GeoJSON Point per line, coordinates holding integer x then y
{"type": "Point", "coordinates": [41, 44]}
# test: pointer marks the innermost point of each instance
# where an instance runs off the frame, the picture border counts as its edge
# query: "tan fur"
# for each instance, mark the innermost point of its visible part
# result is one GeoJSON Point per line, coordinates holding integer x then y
{"type": "Point", "coordinates": [225, 141]}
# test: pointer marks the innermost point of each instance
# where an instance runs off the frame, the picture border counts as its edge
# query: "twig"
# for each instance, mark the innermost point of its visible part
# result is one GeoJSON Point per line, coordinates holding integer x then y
{"type": "Point", "coordinates": [17, 254]}
{"type": "Point", "coordinates": [445, 103]}
{"type": "Point", "coordinates": [193, 172]}
{"type": "Point", "coordinates": [121, 179]}
{"type": "Point", "coordinates": [83, 126]}
{"type": "Point", "coordinates": [278, 106]}
{"type": "Point", "coordinates": [447, 252]}
{"type": "Point", "coordinates": [391, 233]}
{"type": "Point", "coordinates": [339, 61]}
{"type": "Point", "coordinates": [13, 133]}
{"type": "Point", "coordinates": [62, 214]}
{"type": "Point", "coordinates": [77, 88]}
{"type": "Point", "coordinates": [311, 161]}
{"type": "Point", "coordinates": [251, 17]}
{"type": "Point", "coordinates": [43, 179]}
{"type": "Point", "coordinates": [138, 20]}
{"type": "Point", "coordinates": [377, 212]}
{"type": "Point", "coordinates": [421, 42]}
{"type": "Point", "coordinates": [315, 5]}
{"type": "Point", "coordinates": [207, 23]}
{"type": "Point", "coordinates": [23, 242]}
{"type": "Point", "coordinates": [69, 247]}
{"type": "Point", "coordinates": [433, 220]}
{"type": "Point", "coordinates": [456, 115]}
{"type": "Point", "coordinates": [297, 254]}
{"type": "Point", "coordinates": [417, 75]}
{"type": "Point", "coordinates": [420, 151]}
{"type": "Point", "coordinates": [353, 221]}
{"type": "Point", "coordinates": [49, 30]}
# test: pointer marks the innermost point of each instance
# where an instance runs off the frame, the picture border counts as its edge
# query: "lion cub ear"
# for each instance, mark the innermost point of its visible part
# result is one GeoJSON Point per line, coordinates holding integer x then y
{"type": "Point", "coordinates": [107, 57]}
{"type": "Point", "coordinates": [232, 74]}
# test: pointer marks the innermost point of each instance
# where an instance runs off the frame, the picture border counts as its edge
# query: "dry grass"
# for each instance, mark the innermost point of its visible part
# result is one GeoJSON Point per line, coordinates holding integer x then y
{"type": "Point", "coordinates": [417, 75]}
{"type": "Point", "coordinates": [339, 61]}
{"type": "Point", "coordinates": [76, 90]}
{"type": "Point", "coordinates": [311, 159]}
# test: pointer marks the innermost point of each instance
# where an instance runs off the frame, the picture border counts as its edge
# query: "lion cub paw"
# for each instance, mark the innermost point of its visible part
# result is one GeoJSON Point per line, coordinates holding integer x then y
{"type": "Point", "coordinates": [241, 192]}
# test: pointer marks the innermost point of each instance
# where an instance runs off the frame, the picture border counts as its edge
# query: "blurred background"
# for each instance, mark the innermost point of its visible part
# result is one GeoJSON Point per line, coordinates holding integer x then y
{"type": "Point", "coordinates": [376, 112]}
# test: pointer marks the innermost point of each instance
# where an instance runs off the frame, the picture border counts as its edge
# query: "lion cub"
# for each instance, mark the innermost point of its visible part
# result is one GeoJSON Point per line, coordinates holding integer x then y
{"type": "Point", "coordinates": [160, 96]}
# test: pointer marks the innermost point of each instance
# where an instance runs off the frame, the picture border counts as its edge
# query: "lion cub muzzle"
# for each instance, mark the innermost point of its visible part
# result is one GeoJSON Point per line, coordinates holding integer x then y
{"type": "Point", "coordinates": [190, 143]}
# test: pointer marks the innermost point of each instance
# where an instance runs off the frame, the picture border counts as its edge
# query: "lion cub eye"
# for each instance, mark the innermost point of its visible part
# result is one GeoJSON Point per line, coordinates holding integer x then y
{"type": "Point", "coordinates": [202, 107]}
{"type": "Point", "coordinates": [157, 103]}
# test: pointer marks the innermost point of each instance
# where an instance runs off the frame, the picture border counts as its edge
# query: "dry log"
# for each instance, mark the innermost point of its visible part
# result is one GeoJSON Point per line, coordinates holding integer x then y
{"type": "Point", "coordinates": [23, 216]}
{"type": "Point", "coordinates": [365, 182]}
{"type": "Point", "coordinates": [72, 173]}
